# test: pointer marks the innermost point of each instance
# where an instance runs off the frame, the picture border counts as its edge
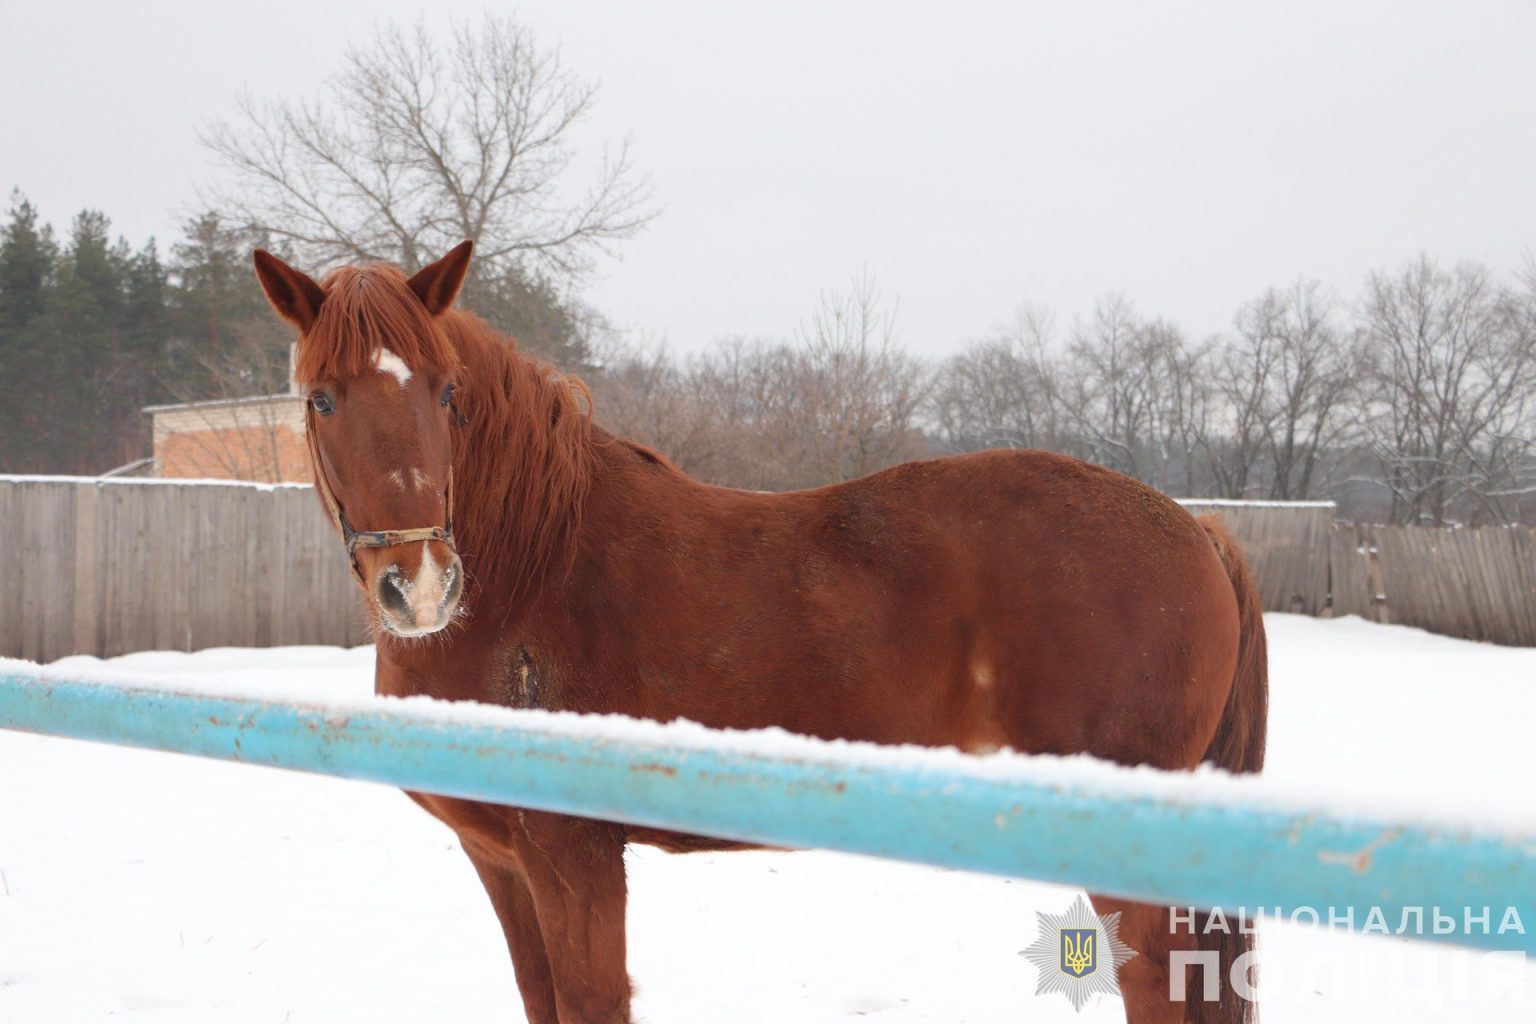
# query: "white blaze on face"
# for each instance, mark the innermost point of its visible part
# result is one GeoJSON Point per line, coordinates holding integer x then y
{"type": "Point", "coordinates": [429, 589]}
{"type": "Point", "coordinates": [386, 361]}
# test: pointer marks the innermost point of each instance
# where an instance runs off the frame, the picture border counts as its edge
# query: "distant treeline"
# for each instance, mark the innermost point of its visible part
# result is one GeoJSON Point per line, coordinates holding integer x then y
{"type": "Point", "coordinates": [1412, 402]}
{"type": "Point", "coordinates": [92, 330]}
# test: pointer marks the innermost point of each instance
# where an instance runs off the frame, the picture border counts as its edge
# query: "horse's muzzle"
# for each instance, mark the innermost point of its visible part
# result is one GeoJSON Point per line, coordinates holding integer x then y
{"type": "Point", "coordinates": [416, 606]}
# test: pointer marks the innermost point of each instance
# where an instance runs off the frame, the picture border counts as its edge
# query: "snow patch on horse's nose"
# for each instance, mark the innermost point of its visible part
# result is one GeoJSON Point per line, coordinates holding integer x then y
{"type": "Point", "coordinates": [423, 603]}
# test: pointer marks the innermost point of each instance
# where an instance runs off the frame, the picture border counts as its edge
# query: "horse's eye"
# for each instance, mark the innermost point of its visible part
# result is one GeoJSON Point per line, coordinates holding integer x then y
{"type": "Point", "coordinates": [322, 403]}
{"type": "Point", "coordinates": [447, 398]}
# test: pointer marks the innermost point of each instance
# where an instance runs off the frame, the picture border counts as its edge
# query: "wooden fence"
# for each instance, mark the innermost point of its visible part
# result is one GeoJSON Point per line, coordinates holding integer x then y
{"type": "Point", "coordinates": [1476, 583]}
{"type": "Point", "coordinates": [108, 567]}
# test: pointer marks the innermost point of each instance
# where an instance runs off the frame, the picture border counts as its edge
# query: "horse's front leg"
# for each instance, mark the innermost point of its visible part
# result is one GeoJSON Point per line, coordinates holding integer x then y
{"type": "Point", "coordinates": [575, 871]}
{"type": "Point", "coordinates": [508, 890]}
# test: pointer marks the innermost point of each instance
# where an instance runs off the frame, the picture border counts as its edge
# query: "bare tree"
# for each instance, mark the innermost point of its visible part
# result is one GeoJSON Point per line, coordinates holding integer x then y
{"type": "Point", "coordinates": [1313, 371]}
{"type": "Point", "coordinates": [749, 385]}
{"type": "Point", "coordinates": [1501, 467]}
{"type": "Point", "coordinates": [841, 401]}
{"type": "Point", "coordinates": [1181, 406]}
{"type": "Point", "coordinates": [417, 145]}
{"type": "Point", "coordinates": [642, 395]}
{"type": "Point", "coordinates": [856, 391]}
{"type": "Point", "coordinates": [1139, 397]}
{"type": "Point", "coordinates": [1283, 381]}
{"type": "Point", "coordinates": [1109, 400]}
{"type": "Point", "coordinates": [1234, 442]}
{"type": "Point", "coordinates": [1450, 371]}
{"type": "Point", "coordinates": [1003, 391]}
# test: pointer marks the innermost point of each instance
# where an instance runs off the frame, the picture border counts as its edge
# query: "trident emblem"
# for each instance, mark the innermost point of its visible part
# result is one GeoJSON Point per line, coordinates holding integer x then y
{"type": "Point", "coordinates": [1077, 947]}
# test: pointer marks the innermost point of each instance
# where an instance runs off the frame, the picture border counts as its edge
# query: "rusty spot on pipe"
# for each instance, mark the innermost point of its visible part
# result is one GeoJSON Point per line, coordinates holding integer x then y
{"type": "Point", "coordinates": [1359, 860]}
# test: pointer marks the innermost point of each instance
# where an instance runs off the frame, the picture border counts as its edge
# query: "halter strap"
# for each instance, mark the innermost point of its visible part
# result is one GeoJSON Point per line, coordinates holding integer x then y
{"type": "Point", "coordinates": [370, 538]}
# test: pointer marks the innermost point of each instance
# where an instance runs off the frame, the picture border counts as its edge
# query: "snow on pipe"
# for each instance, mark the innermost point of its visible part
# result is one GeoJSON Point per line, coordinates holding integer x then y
{"type": "Point", "coordinates": [1184, 839]}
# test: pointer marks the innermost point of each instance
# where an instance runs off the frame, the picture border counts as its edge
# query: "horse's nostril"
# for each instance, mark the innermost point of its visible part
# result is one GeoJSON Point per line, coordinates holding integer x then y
{"type": "Point", "coordinates": [391, 598]}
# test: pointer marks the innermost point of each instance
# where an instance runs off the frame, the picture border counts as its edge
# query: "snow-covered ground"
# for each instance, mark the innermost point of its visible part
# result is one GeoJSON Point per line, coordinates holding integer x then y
{"type": "Point", "coordinates": [155, 888]}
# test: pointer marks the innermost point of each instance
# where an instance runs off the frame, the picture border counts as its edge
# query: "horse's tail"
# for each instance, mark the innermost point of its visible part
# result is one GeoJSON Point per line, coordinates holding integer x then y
{"type": "Point", "coordinates": [1238, 747]}
{"type": "Point", "coordinates": [1239, 742]}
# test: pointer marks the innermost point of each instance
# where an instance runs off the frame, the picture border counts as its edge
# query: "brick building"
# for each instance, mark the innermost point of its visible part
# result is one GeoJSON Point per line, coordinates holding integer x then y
{"type": "Point", "coordinates": [259, 438]}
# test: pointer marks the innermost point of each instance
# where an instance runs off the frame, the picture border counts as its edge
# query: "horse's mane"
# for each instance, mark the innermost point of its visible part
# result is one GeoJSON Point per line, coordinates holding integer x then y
{"type": "Point", "coordinates": [522, 462]}
{"type": "Point", "coordinates": [525, 458]}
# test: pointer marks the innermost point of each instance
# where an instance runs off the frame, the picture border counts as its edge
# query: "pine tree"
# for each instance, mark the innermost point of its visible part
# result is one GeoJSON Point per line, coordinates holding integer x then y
{"type": "Point", "coordinates": [71, 355]}
{"type": "Point", "coordinates": [217, 313]}
{"type": "Point", "coordinates": [215, 284]}
{"type": "Point", "coordinates": [27, 254]}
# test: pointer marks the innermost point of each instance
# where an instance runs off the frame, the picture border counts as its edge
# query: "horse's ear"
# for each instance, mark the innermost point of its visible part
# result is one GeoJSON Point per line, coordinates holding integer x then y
{"type": "Point", "coordinates": [293, 293]}
{"type": "Point", "coordinates": [437, 284]}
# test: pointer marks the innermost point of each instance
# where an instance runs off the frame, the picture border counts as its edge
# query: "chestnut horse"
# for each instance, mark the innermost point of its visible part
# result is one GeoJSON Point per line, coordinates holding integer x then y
{"type": "Point", "coordinates": [513, 552]}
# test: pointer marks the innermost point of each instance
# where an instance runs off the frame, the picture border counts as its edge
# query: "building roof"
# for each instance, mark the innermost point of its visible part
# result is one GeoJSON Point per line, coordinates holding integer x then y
{"type": "Point", "coordinates": [216, 402]}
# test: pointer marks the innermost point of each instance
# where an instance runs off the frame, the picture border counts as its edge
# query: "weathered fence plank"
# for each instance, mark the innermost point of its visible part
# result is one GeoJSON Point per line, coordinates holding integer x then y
{"type": "Point", "coordinates": [1351, 588]}
{"type": "Point", "coordinates": [41, 518]}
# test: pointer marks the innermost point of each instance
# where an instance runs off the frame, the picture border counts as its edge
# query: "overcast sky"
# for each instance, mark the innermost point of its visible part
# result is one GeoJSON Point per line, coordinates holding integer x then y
{"type": "Point", "coordinates": [968, 156]}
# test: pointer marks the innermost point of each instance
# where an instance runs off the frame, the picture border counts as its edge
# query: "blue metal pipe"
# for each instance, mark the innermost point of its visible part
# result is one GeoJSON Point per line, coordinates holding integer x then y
{"type": "Point", "coordinates": [1147, 836]}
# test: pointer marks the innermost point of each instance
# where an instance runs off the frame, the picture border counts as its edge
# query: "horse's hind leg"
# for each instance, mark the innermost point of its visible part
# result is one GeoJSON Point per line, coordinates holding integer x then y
{"type": "Point", "coordinates": [1144, 980]}
{"type": "Point", "coordinates": [509, 894]}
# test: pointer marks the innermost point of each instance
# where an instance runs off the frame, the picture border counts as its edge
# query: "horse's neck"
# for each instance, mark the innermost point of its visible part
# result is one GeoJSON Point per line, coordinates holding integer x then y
{"type": "Point", "coordinates": [636, 511]}
{"type": "Point", "coordinates": [522, 466]}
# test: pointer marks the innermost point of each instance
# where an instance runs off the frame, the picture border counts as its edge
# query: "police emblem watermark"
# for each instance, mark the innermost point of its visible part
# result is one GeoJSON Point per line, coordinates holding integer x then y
{"type": "Point", "coordinates": [1078, 953]}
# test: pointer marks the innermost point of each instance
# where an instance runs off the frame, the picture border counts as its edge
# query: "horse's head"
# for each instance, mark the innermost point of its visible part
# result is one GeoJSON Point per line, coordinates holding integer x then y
{"type": "Point", "coordinates": [378, 370]}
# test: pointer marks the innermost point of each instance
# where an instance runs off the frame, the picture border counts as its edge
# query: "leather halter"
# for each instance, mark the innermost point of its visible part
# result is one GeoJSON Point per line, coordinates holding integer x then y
{"type": "Point", "coordinates": [371, 538]}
